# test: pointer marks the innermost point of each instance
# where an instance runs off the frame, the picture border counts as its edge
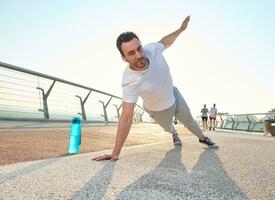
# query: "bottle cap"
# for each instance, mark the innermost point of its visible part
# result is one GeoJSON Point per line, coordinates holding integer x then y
{"type": "Point", "coordinates": [76, 120]}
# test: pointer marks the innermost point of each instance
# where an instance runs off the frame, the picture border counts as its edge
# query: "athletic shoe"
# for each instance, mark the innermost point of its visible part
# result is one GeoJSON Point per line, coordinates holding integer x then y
{"type": "Point", "coordinates": [209, 143]}
{"type": "Point", "coordinates": [176, 139]}
{"type": "Point", "coordinates": [209, 128]}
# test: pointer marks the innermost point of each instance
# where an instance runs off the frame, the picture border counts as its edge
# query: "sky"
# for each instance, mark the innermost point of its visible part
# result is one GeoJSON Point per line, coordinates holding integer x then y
{"type": "Point", "coordinates": [225, 56]}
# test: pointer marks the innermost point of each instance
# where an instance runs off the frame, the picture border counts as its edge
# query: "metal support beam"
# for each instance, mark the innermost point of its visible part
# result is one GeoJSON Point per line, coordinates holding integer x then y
{"type": "Point", "coordinates": [134, 116]}
{"type": "Point", "coordinates": [249, 123]}
{"type": "Point", "coordinates": [232, 123]}
{"type": "Point", "coordinates": [45, 109]}
{"type": "Point", "coordinates": [140, 115]}
{"type": "Point", "coordinates": [82, 103]}
{"type": "Point", "coordinates": [117, 110]}
{"type": "Point", "coordinates": [105, 109]}
{"type": "Point", "coordinates": [137, 115]}
{"type": "Point", "coordinates": [222, 122]}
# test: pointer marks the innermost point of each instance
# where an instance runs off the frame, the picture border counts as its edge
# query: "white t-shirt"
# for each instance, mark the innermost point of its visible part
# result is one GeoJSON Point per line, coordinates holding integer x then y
{"type": "Point", "coordinates": [204, 112]}
{"type": "Point", "coordinates": [154, 85]}
{"type": "Point", "coordinates": [213, 112]}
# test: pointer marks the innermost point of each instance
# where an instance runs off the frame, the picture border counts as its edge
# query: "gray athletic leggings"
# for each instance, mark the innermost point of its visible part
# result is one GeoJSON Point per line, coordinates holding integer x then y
{"type": "Point", "coordinates": [181, 111]}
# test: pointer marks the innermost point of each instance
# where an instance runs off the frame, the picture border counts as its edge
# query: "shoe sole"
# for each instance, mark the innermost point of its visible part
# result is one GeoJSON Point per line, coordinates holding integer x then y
{"type": "Point", "coordinates": [213, 146]}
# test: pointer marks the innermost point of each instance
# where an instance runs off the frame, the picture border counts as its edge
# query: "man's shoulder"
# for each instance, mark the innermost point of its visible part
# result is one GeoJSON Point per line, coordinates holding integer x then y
{"type": "Point", "coordinates": [154, 46]}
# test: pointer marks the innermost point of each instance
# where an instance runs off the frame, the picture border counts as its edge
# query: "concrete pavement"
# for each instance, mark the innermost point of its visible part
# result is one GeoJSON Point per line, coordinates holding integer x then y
{"type": "Point", "coordinates": [242, 168]}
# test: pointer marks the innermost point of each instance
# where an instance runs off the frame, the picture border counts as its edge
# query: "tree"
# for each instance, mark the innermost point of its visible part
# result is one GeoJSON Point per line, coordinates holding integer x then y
{"type": "Point", "coordinates": [220, 113]}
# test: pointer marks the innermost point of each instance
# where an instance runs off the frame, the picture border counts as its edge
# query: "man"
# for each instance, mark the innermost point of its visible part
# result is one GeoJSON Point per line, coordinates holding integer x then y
{"type": "Point", "coordinates": [148, 76]}
{"type": "Point", "coordinates": [204, 117]}
{"type": "Point", "coordinates": [212, 117]}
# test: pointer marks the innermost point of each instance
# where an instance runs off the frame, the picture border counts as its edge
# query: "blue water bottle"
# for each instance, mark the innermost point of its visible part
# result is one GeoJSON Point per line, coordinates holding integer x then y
{"type": "Point", "coordinates": [75, 136]}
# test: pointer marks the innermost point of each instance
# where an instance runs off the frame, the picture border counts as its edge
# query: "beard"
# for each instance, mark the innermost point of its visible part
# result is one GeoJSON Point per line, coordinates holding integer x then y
{"type": "Point", "coordinates": [141, 63]}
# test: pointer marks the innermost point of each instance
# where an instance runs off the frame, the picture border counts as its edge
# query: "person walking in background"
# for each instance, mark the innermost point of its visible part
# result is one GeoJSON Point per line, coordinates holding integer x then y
{"type": "Point", "coordinates": [212, 117]}
{"type": "Point", "coordinates": [147, 75]}
{"type": "Point", "coordinates": [204, 117]}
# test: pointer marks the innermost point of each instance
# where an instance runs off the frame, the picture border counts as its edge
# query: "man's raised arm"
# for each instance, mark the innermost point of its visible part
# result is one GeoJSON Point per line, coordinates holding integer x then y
{"type": "Point", "coordinates": [169, 39]}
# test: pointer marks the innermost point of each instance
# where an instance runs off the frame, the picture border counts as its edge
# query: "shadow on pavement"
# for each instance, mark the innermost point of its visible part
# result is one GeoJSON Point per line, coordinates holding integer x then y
{"type": "Point", "coordinates": [98, 184]}
{"type": "Point", "coordinates": [29, 169]}
{"type": "Point", "coordinates": [171, 180]}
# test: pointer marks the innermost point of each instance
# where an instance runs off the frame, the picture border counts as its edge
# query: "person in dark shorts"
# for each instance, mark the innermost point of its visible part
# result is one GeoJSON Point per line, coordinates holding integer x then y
{"type": "Point", "coordinates": [204, 117]}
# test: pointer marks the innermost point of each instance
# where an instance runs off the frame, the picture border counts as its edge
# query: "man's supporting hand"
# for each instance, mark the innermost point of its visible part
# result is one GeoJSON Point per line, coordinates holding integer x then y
{"type": "Point", "coordinates": [106, 157]}
{"type": "Point", "coordinates": [123, 129]}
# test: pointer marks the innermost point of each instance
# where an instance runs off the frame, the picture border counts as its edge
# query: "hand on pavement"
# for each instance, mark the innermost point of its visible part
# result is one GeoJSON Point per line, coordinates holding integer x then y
{"type": "Point", "coordinates": [106, 157]}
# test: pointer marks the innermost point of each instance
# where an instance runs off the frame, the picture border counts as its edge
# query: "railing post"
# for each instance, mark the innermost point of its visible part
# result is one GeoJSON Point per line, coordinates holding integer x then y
{"type": "Point", "coordinates": [45, 109]}
{"type": "Point", "coordinates": [140, 116]}
{"type": "Point", "coordinates": [82, 103]}
{"type": "Point", "coordinates": [136, 115]}
{"type": "Point", "coordinates": [222, 122]}
{"type": "Point", "coordinates": [105, 109]}
{"type": "Point", "coordinates": [249, 123]}
{"type": "Point", "coordinates": [117, 110]}
{"type": "Point", "coordinates": [232, 123]}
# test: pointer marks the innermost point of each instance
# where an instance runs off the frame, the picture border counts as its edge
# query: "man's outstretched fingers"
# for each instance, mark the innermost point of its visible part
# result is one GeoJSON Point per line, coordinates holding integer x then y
{"type": "Point", "coordinates": [97, 157]}
{"type": "Point", "coordinates": [103, 157]}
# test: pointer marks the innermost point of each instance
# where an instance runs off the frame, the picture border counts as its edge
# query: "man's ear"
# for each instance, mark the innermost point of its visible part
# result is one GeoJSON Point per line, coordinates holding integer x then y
{"type": "Point", "coordinates": [123, 58]}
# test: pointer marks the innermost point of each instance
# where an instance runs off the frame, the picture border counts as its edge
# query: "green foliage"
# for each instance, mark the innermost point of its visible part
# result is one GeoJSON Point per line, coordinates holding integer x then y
{"type": "Point", "coordinates": [220, 113]}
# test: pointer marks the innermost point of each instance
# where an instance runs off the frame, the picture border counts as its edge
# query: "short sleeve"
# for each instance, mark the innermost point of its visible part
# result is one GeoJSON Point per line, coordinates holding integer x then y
{"type": "Point", "coordinates": [159, 47]}
{"type": "Point", "coordinates": [129, 94]}
{"type": "Point", "coordinates": [156, 47]}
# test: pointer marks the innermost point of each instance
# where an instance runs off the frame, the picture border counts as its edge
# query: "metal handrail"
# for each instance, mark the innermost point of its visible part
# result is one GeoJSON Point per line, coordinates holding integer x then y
{"type": "Point", "coordinates": [248, 114]}
{"type": "Point", "coordinates": [21, 69]}
{"type": "Point", "coordinates": [229, 121]}
{"type": "Point", "coordinates": [45, 94]}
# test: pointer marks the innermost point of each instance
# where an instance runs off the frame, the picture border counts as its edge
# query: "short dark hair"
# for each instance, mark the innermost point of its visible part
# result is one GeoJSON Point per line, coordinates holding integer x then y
{"type": "Point", "coordinates": [124, 37]}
